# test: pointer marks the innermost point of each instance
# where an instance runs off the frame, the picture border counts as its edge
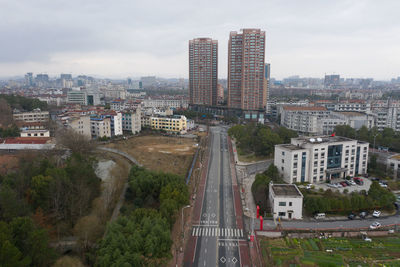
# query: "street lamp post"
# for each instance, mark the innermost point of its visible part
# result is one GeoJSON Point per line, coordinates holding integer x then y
{"type": "Point", "coordinates": [188, 206]}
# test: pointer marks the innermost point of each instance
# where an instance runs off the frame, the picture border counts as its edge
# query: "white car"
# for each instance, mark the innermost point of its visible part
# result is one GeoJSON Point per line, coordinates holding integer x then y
{"type": "Point", "coordinates": [383, 185]}
{"type": "Point", "coordinates": [352, 182]}
{"type": "Point", "coordinates": [376, 213]}
{"type": "Point", "coordinates": [375, 225]}
{"type": "Point", "coordinates": [308, 186]}
{"type": "Point", "coordinates": [367, 239]}
{"type": "Point", "coordinates": [338, 185]}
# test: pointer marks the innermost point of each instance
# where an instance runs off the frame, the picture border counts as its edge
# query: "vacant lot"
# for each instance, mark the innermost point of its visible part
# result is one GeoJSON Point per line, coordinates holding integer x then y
{"type": "Point", "coordinates": [161, 153]}
{"type": "Point", "coordinates": [344, 252]}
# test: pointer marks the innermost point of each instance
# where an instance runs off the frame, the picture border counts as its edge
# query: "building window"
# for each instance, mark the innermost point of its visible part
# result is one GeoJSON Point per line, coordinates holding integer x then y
{"type": "Point", "coordinates": [283, 161]}
{"type": "Point", "coordinates": [282, 168]}
{"type": "Point", "coordinates": [290, 204]}
{"type": "Point", "coordinates": [282, 204]}
{"type": "Point", "coordinates": [281, 214]}
{"type": "Point", "coordinates": [283, 153]}
{"type": "Point", "coordinates": [296, 156]}
{"type": "Point", "coordinates": [295, 165]}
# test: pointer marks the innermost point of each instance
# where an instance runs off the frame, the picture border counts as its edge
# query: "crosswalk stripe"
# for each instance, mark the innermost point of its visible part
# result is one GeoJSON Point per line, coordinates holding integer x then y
{"type": "Point", "coordinates": [197, 231]}
{"type": "Point", "coordinates": [218, 231]}
{"type": "Point", "coordinates": [241, 232]}
{"type": "Point", "coordinates": [206, 231]}
{"type": "Point", "coordinates": [194, 230]}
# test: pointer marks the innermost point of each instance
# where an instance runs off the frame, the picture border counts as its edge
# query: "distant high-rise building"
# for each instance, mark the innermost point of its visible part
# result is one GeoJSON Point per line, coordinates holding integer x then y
{"type": "Point", "coordinates": [29, 79]}
{"type": "Point", "coordinates": [332, 81]}
{"type": "Point", "coordinates": [246, 64]}
{"type": "Point", "coordinates": [203, 71]}
{"type": "Point", "coordinates": [148, 81]}
{"type": "Point", "coordinates": [267, 83]}
{"type": "Point", "coordinates": [66, 76]}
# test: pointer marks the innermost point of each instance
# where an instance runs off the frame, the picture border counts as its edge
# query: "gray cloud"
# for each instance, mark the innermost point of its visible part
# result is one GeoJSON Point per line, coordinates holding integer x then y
{"type": "Point", "coordinates": [121, 37]}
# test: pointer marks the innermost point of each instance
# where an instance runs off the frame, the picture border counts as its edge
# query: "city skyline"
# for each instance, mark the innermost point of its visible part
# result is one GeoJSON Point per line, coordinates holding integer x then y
{"type": "Point", "coordinates": [311, 38]}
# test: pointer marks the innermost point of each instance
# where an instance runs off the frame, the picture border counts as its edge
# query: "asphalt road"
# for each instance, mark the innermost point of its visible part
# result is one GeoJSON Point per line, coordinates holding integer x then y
{"type": "Point", "coordinates": [217, 242]}
{"type": "Point", "coordinates": [321, 224]}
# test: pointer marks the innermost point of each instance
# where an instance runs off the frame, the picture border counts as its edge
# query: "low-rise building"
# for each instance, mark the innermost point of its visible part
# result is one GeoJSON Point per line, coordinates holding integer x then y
{"type": "Point", "coordinates": [81, 125]}
{"type": "Point", "coordinates": [32, 116]}
{"type": "Point", "coordinates": [286, 201]}
{"type": "Point", "coordinates": [393, 163]}
{"type": "Point", "coordinates": [321, 158]}
{"type": "Point", "coordinates": [115, 122]}
{"type": "Point", "coordinates": [175, 124]}
{"type": "Point", "coordinates": [35, 133]}
{"type": "Point", "coordinates": [77, 97]}
{"type": "Point", "coordinates": [131, 121]}
{"type": "Point", "coordinates": [100, 127]}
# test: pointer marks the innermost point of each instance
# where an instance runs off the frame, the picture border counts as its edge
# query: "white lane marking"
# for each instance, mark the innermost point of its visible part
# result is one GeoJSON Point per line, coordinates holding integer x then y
{"type": "Point", "coordinates": [194, 230]}
{"type": "Point", "coordinates": [241, 232]}
{"type": "Point", "coordinates": [206, 231]}
{"type": "Point", "coordinates": [218, 231]}
{"type": "Point", "coordinates": [197, 231]}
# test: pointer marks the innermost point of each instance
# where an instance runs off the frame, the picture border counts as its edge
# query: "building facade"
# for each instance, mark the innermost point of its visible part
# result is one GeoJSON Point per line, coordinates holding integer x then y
{"type": "Point", "coordinates": [203, 71]}
{"type": "Point", "coordinates": [81, 125]}
{"type": "Point", "coordinates": [286, 201]}
{"type": "Point", "coordinates": [100, 127]}
{"type": "Point", "coordinates": [131, 121]}
{"type": "Point", "coordinates": [174, 124]}
{"type": "Point", "coordinates": [246, 70]}
{"type": "Point", "coordinates": [320, 159]}
{"type": "Point", "coordinates": [32, 116]}
{"type": "Point", "coordinates": [77, 97]}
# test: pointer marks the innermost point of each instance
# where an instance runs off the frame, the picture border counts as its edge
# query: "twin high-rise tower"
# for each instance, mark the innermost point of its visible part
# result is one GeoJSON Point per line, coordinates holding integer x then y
{"type": "Point", "coordinates": [247, 85]}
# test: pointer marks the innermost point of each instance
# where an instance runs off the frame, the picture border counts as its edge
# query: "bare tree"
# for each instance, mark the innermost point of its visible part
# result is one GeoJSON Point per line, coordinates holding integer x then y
{"type": "Point", "coordinates": [74, 141]}
{"type": "Point", "coordinates": [6, 117]}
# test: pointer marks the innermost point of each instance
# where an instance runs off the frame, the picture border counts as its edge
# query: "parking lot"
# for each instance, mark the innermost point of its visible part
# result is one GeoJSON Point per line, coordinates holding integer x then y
{"type": "Point", "coordinates": [351, 188]}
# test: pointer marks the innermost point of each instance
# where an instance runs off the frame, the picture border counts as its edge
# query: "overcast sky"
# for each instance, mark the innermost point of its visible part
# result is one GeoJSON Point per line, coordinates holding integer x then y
{"type": "Point", "coordinates": [131, 38]}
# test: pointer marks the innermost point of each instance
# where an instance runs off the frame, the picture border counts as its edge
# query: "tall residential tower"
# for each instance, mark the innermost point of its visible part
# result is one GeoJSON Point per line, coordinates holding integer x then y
{"type": "Point", "coordinates": [247, 89]}
{"type": "Point", "coordinates": [203, 71]}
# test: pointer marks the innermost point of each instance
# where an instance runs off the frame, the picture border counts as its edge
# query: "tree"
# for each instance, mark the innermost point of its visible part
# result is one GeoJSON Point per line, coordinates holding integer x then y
{"type": "Point", "coordinates": [273, 173]}
{"type": "Point", "coordinates": [372, 165]}
{"type": "Point", "coordinates": [74, 141]}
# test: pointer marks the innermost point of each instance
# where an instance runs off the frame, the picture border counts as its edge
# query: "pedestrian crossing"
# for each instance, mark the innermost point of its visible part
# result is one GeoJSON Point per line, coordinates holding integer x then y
{"type": "Point", "coordinates": [218, 232]}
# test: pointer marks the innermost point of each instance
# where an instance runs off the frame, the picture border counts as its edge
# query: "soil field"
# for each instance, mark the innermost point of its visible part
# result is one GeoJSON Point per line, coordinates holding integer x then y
{"type": "Point", "coordinates": [160, 153]}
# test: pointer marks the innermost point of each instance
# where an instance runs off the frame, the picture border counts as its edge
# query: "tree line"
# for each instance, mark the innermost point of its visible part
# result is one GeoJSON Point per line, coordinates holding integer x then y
{"type": "Point", "coordinates": [331, 202]}
{"type": "Point", "coordinates": [47, 197]}
{"type": "Point", "coordinates": [259, 139]}
{"type": "Point", "coordinates": [142, 236]}
{"type": "Point", "coordinates": [387, 138]}
{"type": "Point", "coordinates": [260, 186]}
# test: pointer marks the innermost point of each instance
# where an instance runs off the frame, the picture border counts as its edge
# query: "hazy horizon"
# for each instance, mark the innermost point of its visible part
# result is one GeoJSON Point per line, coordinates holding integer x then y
{"type": "Point", "coordinates": [356, 39]}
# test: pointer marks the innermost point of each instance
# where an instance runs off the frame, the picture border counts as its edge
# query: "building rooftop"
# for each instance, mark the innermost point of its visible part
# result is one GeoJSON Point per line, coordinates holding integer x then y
{"type": "Point", "coordinates": [352, 113]}
{"type": "Point", "coordinates": [286, 190]}
{"type": "Point", "coordinates": [302, 108]}
{"type": "Point", "coordinates": [26, 140]}
{"type": "Point", "coordinates": [322, 139]}
{"type": "Point", "coordinates": [290, 147]}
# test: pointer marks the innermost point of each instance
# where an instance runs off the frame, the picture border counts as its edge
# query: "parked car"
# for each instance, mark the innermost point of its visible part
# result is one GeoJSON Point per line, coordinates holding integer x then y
{"type": "Point", "coordinates": [352, 182]}
{"type": "Point", "coordinates": [351, 216]}
{"type": "Point", "coordinates": [358, 180]}
{"type": "Point", "coordinates": [375, 179]}
{"type": "Point", "coordinates": [376, 213]}
{"type": "Point", "coordinates": [331, 185]}
{"type": "Point", "coordinates": [348, 183]}
{"type": "Point", "coordinates": [338, 185]}
{"type": "Point", "coordinates": [343, 184]}
{"type": "Point", "coordinates": [383, 185]}
{"type": "Point", "coordinates": [367, 239]}
{"type": "Point", "coordinates": [375, 225]}
{"type": "Point", "coordinates": [319, 216]}
{"type": "Point", "coordinates": [363, 214]}
{"type": "Point", "coordinates": [308, 186]}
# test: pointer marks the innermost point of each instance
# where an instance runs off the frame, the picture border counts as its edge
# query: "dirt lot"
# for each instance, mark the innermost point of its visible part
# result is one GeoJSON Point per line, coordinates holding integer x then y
{"type": "Point", "coordinates": [161, 153]}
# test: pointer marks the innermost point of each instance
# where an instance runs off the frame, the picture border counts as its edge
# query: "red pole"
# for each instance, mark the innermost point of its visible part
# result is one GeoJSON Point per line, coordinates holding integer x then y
{"type": "Point", "coordinates": [258, 211]}
{"type": "Point", "coordinates": [261, 223]}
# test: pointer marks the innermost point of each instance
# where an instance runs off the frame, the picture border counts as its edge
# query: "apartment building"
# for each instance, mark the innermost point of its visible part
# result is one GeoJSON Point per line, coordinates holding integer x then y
{"type": "Point", "coordinates": [246, 70]}
{"type": "Point", "coordinates": [321, 158]}
{"type": "Point", "coordinates": [303, 119]}
{"type": "Point", "coordinates": [32, 116]}
{"type": "Point", "coordinates": [81, 125]}
{"type": "Point", "coordinates": [174, 124]}
{"type": "Point", "coordinates": [115, 122]}
{"type": "Point", "coordinates": [165, 103]}
{"type": "Point", "coordinates": [35, 133]}
{"type": "Point", "coordinates": [203, 71]}
{"type": "Point", "coordinates": [100, 127]}
{"type": "Point", "coordinates": [131, 121]}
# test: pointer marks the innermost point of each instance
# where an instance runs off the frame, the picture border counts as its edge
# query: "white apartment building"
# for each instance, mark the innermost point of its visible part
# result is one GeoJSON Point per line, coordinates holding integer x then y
{"type": "Point", "coordinates": [131, 121]}
{"type": "Point", "coordinates": [286, 201]}
{"type": "Point", "coordinates": [32, 116]}
{"type": "Point", "coordinates": [321, 158]}
{"type": "Point", "coordinates": [302, 119]}
{"type": "Point", "coordinates": [115, 122]}
{"type": "Point", "coordinates": [165, 103]}
{"type": "Point", "coordinates": [81, 124]}
{"type": "Point", "coordinates": [100, 127]}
